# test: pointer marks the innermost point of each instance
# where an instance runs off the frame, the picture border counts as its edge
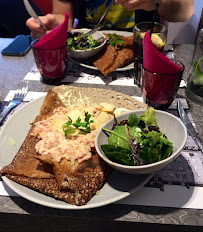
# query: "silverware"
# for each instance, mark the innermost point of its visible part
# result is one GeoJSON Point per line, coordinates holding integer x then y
{"type": "Point", "coordinates": [33, 14]}
{"type": "Point", "coordinates": [185, 119]}
{"type": "Point", "coordinates": [98, 27]}
{"type": "Point", "coordinates": [17, 99]}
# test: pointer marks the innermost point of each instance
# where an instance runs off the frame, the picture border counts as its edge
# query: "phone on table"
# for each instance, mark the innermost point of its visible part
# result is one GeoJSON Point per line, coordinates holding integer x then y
{"type": "Point", "coordinates": [19, 46]}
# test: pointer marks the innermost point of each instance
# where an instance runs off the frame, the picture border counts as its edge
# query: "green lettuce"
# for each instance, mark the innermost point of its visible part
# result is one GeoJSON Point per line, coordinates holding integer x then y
{"type": "Point", "coordinates": [143, 142]}
{"type": "Point", "coordinates": [197, 74]}
{"type": "Point", "coordinates": [148, 117]}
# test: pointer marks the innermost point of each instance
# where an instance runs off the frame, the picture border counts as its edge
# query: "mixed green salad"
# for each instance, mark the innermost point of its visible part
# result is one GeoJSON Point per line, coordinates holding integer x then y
{"type": "Point", "coordinates": [77, 41]}
{"type": "Point", "coordinates": [137, 141]}
{"type": "Point", "coordinates": [197, 74]}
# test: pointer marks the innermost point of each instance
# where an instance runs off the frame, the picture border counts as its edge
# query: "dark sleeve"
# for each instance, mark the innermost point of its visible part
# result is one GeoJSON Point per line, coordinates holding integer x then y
{"type": "Point", "coordinates": [79, 11]}
{"type": "Point", "coordinates": [13, 16]}
{"type": "Point", "coordinates": [144, 16]}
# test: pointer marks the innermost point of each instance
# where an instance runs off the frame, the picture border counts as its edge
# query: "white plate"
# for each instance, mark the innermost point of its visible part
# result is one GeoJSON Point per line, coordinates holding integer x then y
{"type": "Point", "coordinates": [88, 64]}
{"type": "Point", "coordinates": [117, 187]}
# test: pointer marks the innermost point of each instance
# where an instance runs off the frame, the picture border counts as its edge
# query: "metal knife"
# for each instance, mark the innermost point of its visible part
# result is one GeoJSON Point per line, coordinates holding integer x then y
{"type": "Point", "coordinates": [185, 119]}
{"type": "Point", "coordinates": [33, 14]}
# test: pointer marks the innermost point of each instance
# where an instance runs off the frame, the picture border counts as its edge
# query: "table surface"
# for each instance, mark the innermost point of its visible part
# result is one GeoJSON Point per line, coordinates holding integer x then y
{"type": "Point", "coordinates": [26, 215]}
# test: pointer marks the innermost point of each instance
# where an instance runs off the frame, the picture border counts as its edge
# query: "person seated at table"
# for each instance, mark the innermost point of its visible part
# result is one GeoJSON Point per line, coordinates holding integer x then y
{"type": "Point", "coordinates": [122, 15]}
{"type": "Point", "coordinates": [13, 17]}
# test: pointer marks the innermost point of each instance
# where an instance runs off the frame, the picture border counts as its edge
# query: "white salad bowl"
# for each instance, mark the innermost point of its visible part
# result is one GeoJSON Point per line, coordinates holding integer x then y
{"type": "Point", "coordinates": [169, 125]}
{"type": "Point", "coordinates": [88, 53]}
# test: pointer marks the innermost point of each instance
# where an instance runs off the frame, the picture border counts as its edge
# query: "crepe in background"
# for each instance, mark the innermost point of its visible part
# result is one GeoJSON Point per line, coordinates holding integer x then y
{"type": "Point", "coordinates": [111, 58]}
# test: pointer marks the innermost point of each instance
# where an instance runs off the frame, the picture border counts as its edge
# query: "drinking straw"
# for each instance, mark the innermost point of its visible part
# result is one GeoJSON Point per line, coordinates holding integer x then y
{"type": "Point", "coordinates": [153, 20]}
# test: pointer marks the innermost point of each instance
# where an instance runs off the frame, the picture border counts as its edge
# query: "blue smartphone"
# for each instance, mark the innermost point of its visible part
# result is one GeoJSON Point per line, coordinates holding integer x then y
{"type": "Point", "coordinates": [19, 46]}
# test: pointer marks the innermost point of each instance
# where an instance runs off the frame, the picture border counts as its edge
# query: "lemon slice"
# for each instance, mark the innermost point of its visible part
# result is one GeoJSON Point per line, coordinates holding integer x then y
{"type": "Point", "coordinates": [157, 41]}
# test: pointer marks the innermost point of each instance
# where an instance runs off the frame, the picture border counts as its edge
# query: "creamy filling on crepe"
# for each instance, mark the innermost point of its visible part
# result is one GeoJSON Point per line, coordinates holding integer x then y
{"type": "Point", "coordinates": [55, 145]}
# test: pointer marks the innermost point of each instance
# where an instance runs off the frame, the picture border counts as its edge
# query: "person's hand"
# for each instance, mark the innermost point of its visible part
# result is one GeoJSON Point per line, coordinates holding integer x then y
{"type": "Point", "coordinates": [147, 5]}
{"type": "Point", "coordinates": [37, 31]}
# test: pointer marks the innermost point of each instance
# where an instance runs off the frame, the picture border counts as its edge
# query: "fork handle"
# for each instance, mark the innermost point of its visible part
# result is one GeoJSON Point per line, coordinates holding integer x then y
{"type": "Point", "coordinates": [6, 111]}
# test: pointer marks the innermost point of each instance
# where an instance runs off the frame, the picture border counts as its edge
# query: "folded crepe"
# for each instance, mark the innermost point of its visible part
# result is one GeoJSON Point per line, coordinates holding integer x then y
{"type": "Point", "coordinates": [75, 184]}
{"type": "Point", "coordinates": [111, 58]}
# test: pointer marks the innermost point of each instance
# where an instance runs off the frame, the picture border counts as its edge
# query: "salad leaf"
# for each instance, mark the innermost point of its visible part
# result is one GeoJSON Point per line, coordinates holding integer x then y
{"type": "Point", "coordinates": [132, 120]}
{"type": "Point", "coordinates": [118, 154]}
{"type": "Point", "coordinates": [92, 43]}
{"type": "Point", "coordinates": [155, 147]}
{"type": "Point", "coordinates": [118, 137]}
{"type": "Point", "coordinates": [148, 118]}
{"type": "Point", "coordinates": [136, 133]}
{"type": "Point", "coordinates": [197, 74]}
{"type": "Point", "coordinates": [80, 42]}
{"type": "Point", "coordinates": [134, 148]}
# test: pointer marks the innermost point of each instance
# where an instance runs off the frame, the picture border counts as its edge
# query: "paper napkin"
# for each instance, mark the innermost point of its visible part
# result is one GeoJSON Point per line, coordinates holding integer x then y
{"type": "Point", "coordinates": [56, 38]}
{"type": "Point", "coordinates": [155, 61]}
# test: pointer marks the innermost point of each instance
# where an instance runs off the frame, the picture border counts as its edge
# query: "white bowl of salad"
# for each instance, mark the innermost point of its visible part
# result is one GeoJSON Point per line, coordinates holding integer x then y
{"type": "Point", "coordinates": [142, 141]}
{"type": "Point", "coordinates": [81, 47]}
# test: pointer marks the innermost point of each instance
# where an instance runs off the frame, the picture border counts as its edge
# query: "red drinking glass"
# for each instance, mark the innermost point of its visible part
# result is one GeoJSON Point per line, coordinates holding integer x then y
{"type": "Point", "coordinates": [159, 90]}
{"type": "Point", "coordinates": [158, 37]}
{"type": "Point", "coordinates": [51, 63]}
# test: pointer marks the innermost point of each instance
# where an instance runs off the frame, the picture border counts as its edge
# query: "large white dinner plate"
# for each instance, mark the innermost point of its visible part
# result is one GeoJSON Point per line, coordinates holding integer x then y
{"type": "Point", "coordinates": [117, 187]}
{"type": "Point", "coordinates": [88, 64]}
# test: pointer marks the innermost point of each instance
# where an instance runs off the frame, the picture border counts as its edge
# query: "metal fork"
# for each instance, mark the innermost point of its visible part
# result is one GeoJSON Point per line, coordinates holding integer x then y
{"type": "Point", "coordinates": [98, 27]}
{"type": "Point", "coordinates": [18, 97]}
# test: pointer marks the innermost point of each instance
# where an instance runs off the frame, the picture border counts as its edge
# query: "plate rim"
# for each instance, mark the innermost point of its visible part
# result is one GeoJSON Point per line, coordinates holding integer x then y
{"type": "Point", "coordinates": [58, 204]}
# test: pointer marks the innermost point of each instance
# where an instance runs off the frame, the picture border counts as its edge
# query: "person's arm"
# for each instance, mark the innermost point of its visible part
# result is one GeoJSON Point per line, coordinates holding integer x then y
{"type": "Point", "coordinates": [51, 20]}
{"type": "Point", "coordinates": [170, 10]}
{"type": "Point", "coordinates": [59, 8]}
{"type": "Point", "coordinates": [176, 10]}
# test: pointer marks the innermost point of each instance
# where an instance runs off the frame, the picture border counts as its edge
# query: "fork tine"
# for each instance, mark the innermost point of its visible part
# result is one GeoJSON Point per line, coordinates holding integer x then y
{"type": "Point", "coordinates": [22, 89]}
{"type": "Point", "coordinates": [17, 99]}
{"type": "Point", "coordinates": [16, 95]}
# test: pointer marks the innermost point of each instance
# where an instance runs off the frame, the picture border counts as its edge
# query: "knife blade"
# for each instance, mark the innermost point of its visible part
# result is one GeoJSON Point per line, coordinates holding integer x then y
{"type": "Point", "coordinates": [190, 128]}
{"type": "Point", "coordinates": [33, 14]}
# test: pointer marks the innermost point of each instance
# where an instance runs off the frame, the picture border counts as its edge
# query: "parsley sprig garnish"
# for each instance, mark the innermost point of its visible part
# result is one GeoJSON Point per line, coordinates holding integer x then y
{"type": "Point", "coordinates": [115, 40]}
{"type": "Point", "coordinates": [82, 126]}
